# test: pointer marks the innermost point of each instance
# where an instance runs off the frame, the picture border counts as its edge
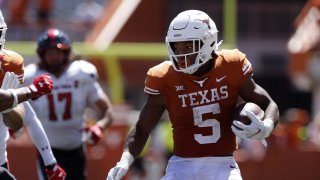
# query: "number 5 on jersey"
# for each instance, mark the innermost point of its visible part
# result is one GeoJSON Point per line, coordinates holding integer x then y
{"type": "Point", "coordinates": [213, 123]}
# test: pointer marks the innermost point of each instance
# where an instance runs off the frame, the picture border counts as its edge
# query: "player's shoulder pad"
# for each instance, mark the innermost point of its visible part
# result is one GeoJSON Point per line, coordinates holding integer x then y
{"type": "Point", "coordinates": [84, 69]}
{"type": "Point", "coordinates": [160, 70]}
{"type": "Point", "coordinates": [231, 55]}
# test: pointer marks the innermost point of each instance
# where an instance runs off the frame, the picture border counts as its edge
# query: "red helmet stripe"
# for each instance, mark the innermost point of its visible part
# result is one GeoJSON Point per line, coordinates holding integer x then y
{"type": "Point", "coordinates": [52, 33]}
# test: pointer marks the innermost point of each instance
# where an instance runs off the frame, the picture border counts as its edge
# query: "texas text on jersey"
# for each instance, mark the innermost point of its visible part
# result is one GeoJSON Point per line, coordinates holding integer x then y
{"type": "Point", "coordinates": [199, 107]}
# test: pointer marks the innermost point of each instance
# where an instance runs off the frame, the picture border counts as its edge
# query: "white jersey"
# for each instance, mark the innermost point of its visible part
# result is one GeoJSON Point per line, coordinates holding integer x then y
{"type": "Point", "coordinates": [4, 136]}
{"type": "Point", "coordinates": [61, 112]}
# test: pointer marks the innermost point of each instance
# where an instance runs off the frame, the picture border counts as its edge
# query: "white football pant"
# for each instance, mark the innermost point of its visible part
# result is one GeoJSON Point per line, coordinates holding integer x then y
{"type": "Point", "coordinates": [206, 168]}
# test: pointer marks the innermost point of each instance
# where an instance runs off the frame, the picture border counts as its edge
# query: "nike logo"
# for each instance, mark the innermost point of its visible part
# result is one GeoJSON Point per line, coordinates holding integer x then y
{"type": "Point", "coordinates": [232, 166]}
{"type": "Point", "coordinates": [220, 79]}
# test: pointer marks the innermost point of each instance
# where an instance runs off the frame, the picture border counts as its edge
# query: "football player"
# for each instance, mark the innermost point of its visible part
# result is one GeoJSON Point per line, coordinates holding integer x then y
{"type": "Point", "coordinates": [11, 75]}
{"type": "Point", "coordinates": [61, 112]}
{"type": "Point", "coordinates": [199, 88]}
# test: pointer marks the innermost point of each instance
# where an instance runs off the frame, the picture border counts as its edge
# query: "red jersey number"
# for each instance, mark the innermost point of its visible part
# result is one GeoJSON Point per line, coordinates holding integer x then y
{"type": "Point", "coordinates": [67, 97]}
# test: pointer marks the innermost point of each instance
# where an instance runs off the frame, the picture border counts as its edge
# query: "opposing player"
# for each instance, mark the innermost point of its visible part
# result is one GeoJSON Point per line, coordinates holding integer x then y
{"type": "Point", "coordinates": [14, 115]}
{"type": "Point", "coordinates": [199, 87]}
{"type": "Point", "coordinates": [61, 112]}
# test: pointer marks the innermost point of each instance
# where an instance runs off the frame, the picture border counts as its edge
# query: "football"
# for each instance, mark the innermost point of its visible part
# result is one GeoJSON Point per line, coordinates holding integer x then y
{"type": "Point", "coordinates": [247, 106]}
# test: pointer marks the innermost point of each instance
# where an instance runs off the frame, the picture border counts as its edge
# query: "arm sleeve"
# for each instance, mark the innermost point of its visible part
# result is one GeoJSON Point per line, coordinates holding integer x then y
{"type": "Point", "coordinates": [38, 135]}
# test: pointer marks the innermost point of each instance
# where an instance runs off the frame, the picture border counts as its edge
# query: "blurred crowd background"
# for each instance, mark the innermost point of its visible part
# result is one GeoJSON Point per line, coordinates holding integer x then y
{"type": "Point", "coordinates": [124, 38]}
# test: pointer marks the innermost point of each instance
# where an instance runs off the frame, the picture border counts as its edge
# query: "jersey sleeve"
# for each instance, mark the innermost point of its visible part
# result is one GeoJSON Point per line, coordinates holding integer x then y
{"type": "Point", "coordinates": [13, 62]}
{"type": "Point", "coordinates": [239, 65]}
{"type": "Point", "coordinates": [89, 78]}
{"type": "Point", "coordinates": [89, 71]}
{"type": "Point", "coordinates": [245, 65]}
{"type": "Point", "coordinates": [96, 92]}
{"type": "Point", "coordinates": [154, 83]}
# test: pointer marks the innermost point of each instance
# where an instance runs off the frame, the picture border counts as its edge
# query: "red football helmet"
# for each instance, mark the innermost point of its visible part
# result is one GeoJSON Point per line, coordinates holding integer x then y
{"type": "Point", "coordinates": [53, 38]}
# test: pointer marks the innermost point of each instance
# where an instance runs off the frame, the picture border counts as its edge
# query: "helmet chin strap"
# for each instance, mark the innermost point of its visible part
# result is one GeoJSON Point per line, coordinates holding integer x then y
{"type": "Point", "coordinates": [220, 42]}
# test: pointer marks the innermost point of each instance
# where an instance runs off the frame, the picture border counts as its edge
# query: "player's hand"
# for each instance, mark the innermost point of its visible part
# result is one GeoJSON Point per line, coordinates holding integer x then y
{"type": "Point", "coordinates": [41, 85]}
{"type": "Point", "coordinates": [55, 172]}
{"type": "Point", "coordinates": [10, 81]}
{"type": "Point", "coordinates": [258, 129]}
{"type": "Point", "coordinates": [121, 168]}
{"type": "Point", "coordinates": [117, 172]}
{"type": "Point", "coordinates": [93, 134]}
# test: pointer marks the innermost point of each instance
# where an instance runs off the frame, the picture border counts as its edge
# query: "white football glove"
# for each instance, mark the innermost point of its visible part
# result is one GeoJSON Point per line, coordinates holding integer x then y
{"type": "Point", "coordinates": [122, 167]}
{"type": "Point", "coordinates": [10, 81]}
{"type": "Point", "coordinates": [258, 129]}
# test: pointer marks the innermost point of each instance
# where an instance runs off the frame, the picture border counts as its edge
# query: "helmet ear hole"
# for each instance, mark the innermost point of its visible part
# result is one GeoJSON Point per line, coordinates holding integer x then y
{"type": "Point", "coordinates": [201, 44]}
{"type": "Point", "coordinates": [212, 43]}
{"type": "Point", "coordinates": [172, 46]}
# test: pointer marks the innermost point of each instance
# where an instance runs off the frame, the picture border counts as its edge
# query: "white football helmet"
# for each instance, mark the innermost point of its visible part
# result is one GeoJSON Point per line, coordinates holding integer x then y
{"type": "Point", "coordinates": [3, 29]}
{"type": "Point", "coordinates": [196, 26]}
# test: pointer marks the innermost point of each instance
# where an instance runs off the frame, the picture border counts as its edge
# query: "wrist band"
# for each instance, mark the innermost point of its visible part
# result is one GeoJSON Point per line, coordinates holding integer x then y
{"type": "Point", "coordinates": [15, 101]}
{"type": "Point", "coordinates": [126, 158]}
{"type": "Point", "coordinates": [15, 97]}
{"type": "Point", "coordinates": [269, 125]}
{"type": "Point", "coordinates": [28, 94]}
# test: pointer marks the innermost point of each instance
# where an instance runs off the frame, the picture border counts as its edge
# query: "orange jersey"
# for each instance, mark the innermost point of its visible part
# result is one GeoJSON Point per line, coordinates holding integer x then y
{"type": "Point", "coordinates": [12, 62]}
{"type": "Point", "coordinates": [201, 108]}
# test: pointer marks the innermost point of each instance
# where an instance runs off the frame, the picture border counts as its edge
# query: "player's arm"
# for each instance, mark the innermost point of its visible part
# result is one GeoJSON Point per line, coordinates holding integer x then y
{"type": "Point", "coordinates": [138, 135]}
{"type": "Point", "coordinates": [148, 119]}
{"type": "Point", "coordinates": [11, 98]}
{"type": "Point", "coordinates": [95, 132]}
{"type": "Point", "coordinates": [104, 105]}
{"type": "Point", "coordinates": [14, 118]}
{"type": "Point", "coordinates": [40, 140]}
{"type": "Point", "coordinates": [98, 100]}
{"type": "Point", "coordinates": [40, 86]}
{"type": "Point", "coordinates": [259, 128]}
{"type": "Point", "coordinates": [38, 135]}
{"type": "Point", "coordinates": [252, 92]}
